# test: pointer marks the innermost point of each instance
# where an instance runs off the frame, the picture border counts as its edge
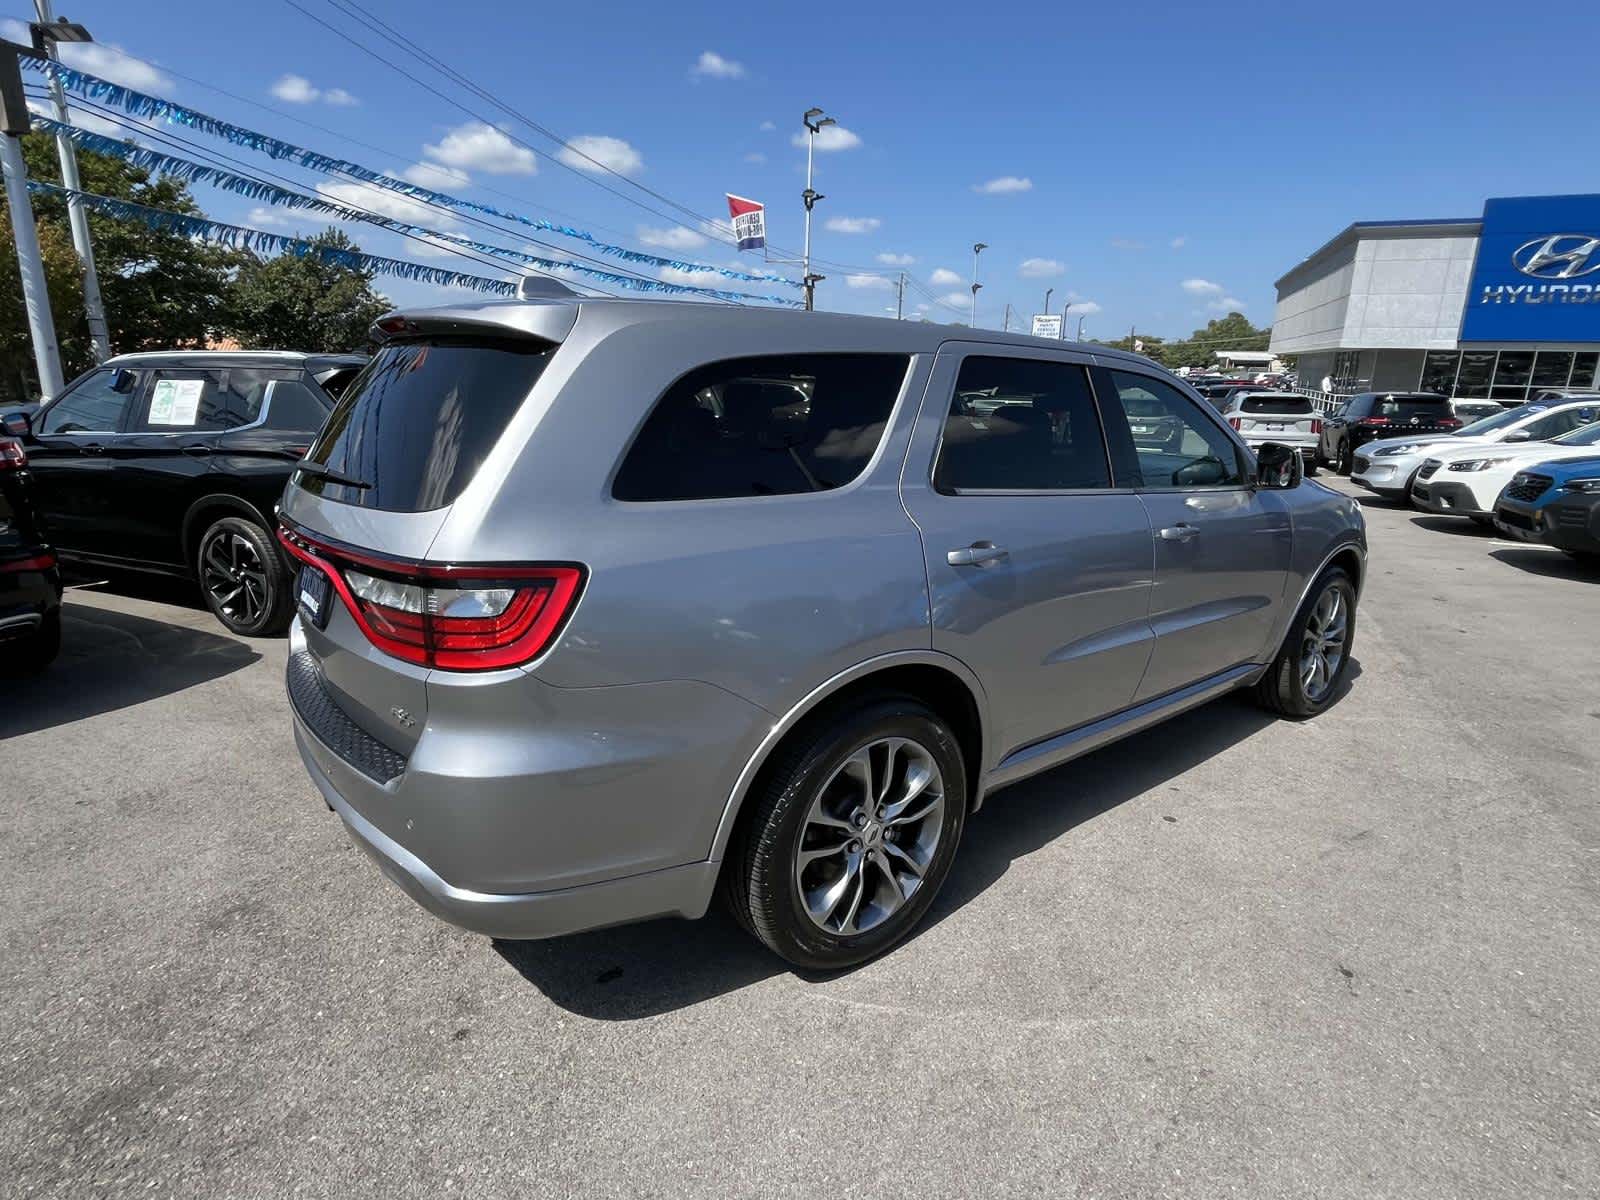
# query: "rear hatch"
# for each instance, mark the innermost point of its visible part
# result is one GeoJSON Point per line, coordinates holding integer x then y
{"type": "Point", "coordinates": [360, 515]}
{"type": "Point", "coordinates": [1399, 414]}
{"type": "Point", "coordinates": [1276, 416]}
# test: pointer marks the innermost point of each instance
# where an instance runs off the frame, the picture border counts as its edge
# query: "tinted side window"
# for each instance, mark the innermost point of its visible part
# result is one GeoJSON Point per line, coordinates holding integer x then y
{"type": "Point", "coordinates": [97, 405]}
{"type": "Point", "coordinates": [293, 407]}
{"type": "Point", "coordinates": [1020, 423]}
{"type": "Point", "coordinates": [182, 401]}
{"type": "Point", "coordinates": [1175, 445]}
{"type": "Point", "coordinates": [1557, 423]}
{"type": "Point", "coordinates": [763, 427]}
{"type": "Point", "coordinates": [245, 390]}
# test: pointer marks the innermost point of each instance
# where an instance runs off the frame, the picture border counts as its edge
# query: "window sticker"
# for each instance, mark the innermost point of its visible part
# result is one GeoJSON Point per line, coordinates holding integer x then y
{"type": "Point", "coordinates": [175, 401]}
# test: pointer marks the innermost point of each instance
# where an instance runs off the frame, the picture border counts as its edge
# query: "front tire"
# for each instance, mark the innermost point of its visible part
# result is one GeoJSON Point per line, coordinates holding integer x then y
{"type": "Point", "coordinates": [243, 578]}
{"type": "Point", "coordinates": [850, 834]}
{"type": "Point", "coordinates": [1305, 677]}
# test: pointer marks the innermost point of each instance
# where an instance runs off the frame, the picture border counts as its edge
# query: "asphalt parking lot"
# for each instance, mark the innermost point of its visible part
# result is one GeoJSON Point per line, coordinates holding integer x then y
{"type": "Point", "coordinates": [1355, 957]}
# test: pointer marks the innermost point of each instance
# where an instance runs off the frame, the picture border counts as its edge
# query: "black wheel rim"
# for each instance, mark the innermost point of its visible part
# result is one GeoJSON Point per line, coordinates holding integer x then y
{"type": "Point", "coordinates": [234, 577]}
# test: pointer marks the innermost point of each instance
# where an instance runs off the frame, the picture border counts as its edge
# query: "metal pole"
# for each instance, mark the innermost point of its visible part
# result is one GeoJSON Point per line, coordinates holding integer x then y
{"type": "Point", "coordinates": [1005, 324]}
{"type": "Point", "coordinates": [900, 298]}
{"type": "Point", "coordinates": [977, 249]}
{"type": "Point", "coordinates": [46, 353]}
{"type": "Point", "coordinates": [805, 272]}
{"type": "Point", "coordinates": [1080, 328]}
{"type": "Point", "coordinates": [93, 307]}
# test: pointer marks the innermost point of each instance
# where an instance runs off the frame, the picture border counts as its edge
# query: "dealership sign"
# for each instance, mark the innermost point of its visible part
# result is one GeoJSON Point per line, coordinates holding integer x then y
{"type": "Point", "coordinates": [1047, 325]}
{"type": "Point", "coordinates": [1537, 278]}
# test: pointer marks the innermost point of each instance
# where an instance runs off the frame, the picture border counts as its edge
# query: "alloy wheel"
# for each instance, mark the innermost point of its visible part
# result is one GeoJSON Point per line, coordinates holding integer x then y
{"type": "Point", "coordinates": [870, 836]}
{"type": "Point", "coordinates": [1322, 649]}
{"type": "Point", "coordinates": [234, 577]}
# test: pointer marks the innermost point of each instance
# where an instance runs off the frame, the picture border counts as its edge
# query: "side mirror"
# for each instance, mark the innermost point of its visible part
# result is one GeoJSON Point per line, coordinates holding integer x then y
{"type": "Point", "coordinates": [1278, 466]}
{"type": "Point", "coordinates": [1519, 435]}
{"type": "Point", "coordinates": [18, 423]}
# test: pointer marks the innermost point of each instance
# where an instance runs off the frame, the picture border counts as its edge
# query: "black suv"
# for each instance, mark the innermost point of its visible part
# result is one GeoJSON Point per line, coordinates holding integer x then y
{"type": "Point", "coordinates": [30, 582]}
{"type": "Point", "coordinates": [173, 462]}
{"type": "Point", "coordinates": [1373, 415]}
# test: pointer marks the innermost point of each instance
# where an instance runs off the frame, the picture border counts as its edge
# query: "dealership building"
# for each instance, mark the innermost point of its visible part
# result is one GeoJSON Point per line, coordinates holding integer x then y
{"type": "Point", "coordinates": [1492, 307]}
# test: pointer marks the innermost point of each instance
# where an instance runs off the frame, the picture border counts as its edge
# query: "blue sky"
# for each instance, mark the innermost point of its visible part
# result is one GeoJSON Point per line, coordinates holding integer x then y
{"type": "Point", "coordinates": [1156, 165]}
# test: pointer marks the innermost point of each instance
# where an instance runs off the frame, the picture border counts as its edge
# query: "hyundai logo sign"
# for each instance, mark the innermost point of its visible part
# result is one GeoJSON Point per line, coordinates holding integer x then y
{"type": "Point", "coordinates": [1560, 256]}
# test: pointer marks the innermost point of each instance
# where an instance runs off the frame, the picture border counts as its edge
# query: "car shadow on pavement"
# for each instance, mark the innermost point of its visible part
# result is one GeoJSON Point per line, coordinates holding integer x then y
{"type": "Point", "coordinates": [1548, 562]}
{"type": "Point", "coordinates": [636, 971]}
{"type": "Point", "coordinates": [111, 659]}
{"type": "Point", "coordinates": [1463, 526]}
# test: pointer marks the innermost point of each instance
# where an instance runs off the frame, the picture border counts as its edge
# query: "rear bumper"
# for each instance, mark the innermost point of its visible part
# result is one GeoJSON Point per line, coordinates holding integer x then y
{"type": "Point", "coordinates": [26, 599]}
{"type": "Point", "coordinates": [677, 891]}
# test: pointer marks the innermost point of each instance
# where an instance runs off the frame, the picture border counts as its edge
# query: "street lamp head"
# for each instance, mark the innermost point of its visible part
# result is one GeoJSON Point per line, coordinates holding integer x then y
{"type": "Point", "coordinates": [61, 30]}
{"type": "Point", "coordinates": [826, 121]}
{"type": "Point", "coordinates": [980, 247]}
{"type": "Point", "coordinates": [811, 121]}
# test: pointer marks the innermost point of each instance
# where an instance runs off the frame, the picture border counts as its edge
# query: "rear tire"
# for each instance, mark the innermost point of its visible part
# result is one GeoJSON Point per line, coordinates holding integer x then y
{"type": "Point", "coordinates": [1286, 688]}
{"type": "Point", "coordinates": [243, 578]}
{"type": "Point", "coordinates": [31, 654]}
{"type": "Point", "coordinates": [849, 778]}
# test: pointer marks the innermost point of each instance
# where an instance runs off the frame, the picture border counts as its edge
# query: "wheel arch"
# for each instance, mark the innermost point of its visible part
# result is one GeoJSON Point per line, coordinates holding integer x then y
{"type": "Point", "coordinates": [945, 683]}
{"type": "Point", "coordinates": [211, 507]}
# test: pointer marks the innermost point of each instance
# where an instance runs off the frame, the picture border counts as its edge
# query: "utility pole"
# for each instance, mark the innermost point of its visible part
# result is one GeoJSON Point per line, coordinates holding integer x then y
{"type": "Point", "coordinates": [977, 249]}
{"type": "Point", "coordinates": [1005, 326]}
{"type": "Point", "coordinates": [814, 121]}
{"type": "Point", "coordinates": [14, 122]}
{"type": "Point", "coordinates": [900, 298]}
{"type": "Point", "coordinates": [1080, 327]}
{"type": "Point", "coordinates": [46, 33]}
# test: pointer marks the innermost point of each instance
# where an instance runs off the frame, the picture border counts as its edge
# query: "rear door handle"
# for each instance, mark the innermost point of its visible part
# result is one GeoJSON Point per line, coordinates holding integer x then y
{"type": "Point", "coordinates": [1181, 532]}
{"type": "Point", "coordinates": [979, 554]}
{"type": "Point", "coordinates": [91, 448]}
{"type": "Point", "coordinates": [197, 449]}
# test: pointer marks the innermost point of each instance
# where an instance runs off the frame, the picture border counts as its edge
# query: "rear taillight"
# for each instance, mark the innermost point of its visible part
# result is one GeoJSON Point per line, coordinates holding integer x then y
{"type": "Point", "coordinates": [1316, 424]}
{"type": "Point", "coordinates": [1235, 422]}
{"type": "Point", "coordinates": [39, 562]}
{"type": "Point", "coordinates": [455, 618]}
{"type": "Point", "coordinates": [1449, 422]}
{"type": "Point", "coordinates": [1370, 421]}
{"type": "Point", "coordinates": [12, 456]}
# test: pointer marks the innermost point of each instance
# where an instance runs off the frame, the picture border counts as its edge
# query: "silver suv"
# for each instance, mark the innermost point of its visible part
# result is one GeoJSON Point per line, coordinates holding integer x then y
{"type": "Point", "coordinates": [606, 605]}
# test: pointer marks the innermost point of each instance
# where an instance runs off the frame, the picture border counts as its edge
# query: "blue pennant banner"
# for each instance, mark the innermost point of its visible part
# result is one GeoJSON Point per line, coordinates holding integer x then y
{"type": "Point", "coordinates": [257, 189]}
{"type": "Point", "coordinates": [142, 105]}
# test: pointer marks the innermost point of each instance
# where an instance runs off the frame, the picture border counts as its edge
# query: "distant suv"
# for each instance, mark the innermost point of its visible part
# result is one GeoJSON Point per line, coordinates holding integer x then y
{"type": "Point", "coordinates": [30, 582]}
{"type": "Point", "coordinates": [1373, 415]}
{"type": "Point", "coordinates": [174, 462]}
{"type": "Point", "coordinates": [1284, 417]}
{"type": "Point", "coordinates": [604, 603]}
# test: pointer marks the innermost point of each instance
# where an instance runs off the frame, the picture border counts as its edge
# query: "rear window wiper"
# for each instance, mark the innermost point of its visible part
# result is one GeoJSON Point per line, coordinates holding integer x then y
{"type": "Point", "coordinates": [317, 470]}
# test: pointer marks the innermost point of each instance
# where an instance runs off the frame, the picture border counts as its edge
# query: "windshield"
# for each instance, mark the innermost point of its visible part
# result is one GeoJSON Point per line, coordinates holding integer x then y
{"type": "Point", "coordinates": [1588, 435]}
{"type": "Point", "coordinates": [1499, 420]}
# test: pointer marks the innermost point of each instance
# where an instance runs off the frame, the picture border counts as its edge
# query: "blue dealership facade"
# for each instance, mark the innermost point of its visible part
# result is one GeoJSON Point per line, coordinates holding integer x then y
{"type": "Point", "coordinates": [1496, 307]}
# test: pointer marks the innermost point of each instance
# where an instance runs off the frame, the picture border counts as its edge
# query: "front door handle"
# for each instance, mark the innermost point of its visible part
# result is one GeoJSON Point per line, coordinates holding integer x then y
{"type": "Point", "coordinates": [1181, 532]}
{"type": "Point", "coordinates": [979, 554]}
{"type": "Point", "coordinates": [197, 449]}
{"type": "Point", "coordinates": [91, 448]}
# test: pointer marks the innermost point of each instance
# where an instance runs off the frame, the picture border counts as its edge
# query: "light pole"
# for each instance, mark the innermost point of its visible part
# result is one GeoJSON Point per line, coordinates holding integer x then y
{"type": "Point", "coordinates": [977, 249]}
{"type": "Point", "coordinates": [14, 122]}
{"type": "Point", "coordinates": [1048, 292]}
{"type": "Point", "coordinates": [814, 121]}
{"type": "Point", "coordinates": [46, 33]}
{"type": "Point", "coordinates": [1080, 327]}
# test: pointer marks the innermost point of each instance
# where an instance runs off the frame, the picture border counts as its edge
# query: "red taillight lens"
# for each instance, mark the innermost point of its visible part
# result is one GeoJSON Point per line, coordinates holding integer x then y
{"type": "Point", "coordinates": [1316, 424]}
{"type": "Point", "coordinates": [1373, 421]}
{"type": "Point", "coordinates": [455, 618]}
{"type": "Point", "coordinates": [1449, 422]}
{"type": "Point", "coordinates": [12, 456]}
{"type": "Point", "coordinates": [39, 562]}
{"type": "Point", "coordinates": [1235, 422]}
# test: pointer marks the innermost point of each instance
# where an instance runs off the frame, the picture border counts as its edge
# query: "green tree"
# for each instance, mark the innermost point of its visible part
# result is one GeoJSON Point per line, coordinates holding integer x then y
{"type": "Point", "coordinates": [304, 303]}
{"type": "Point", "coordinates": [161, 289]}
{"type": "Point", "coordinates": [1231, 332]}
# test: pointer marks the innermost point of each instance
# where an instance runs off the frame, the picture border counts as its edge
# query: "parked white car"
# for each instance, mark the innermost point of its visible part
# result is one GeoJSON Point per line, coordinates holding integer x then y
{"type": "Point", "coordinates": [1466, 482]}
{"type": "Point", "coordinates": [1389, 467]}
{"type": "Point", "coordinates": [1283, 417]}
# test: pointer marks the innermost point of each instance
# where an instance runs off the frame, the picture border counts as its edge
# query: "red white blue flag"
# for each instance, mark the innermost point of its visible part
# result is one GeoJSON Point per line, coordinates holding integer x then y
{"type": "Point", "coordinates": [749, 222]}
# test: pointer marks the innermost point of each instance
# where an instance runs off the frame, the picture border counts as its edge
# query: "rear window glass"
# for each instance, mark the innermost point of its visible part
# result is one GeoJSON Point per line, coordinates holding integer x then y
{"type": "Point", "coordinates": [1411, 406]}
{"type": "Point", "coordinates": [763, 427]}
{"type": "Point", "coordinates": [1283, 406]}
{"type": "Point", "coordinates": [419, 420]}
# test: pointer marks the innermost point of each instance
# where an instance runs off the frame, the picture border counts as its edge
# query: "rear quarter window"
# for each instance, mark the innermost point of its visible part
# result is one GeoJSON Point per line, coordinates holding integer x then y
{"type": "Point", "coordinates": [769, 426]}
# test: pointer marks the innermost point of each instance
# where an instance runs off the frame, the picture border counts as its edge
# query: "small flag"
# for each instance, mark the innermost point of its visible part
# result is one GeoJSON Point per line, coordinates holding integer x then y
{"type": "Point", "coordinates": [749, 222]}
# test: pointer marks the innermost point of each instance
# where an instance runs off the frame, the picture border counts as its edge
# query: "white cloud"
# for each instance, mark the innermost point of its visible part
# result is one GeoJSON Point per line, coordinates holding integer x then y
{"type": "Point", "coordinates": [1178, 242]}
{"type": "Point", "coordinates": [924, 307]}
{"type": "Point", "coordinates": [1083, 308]}
{"type": "Point", "coordinates": [711, 65]}
{"type": "Point", "coordinates": [262, 215]}
{"type": "Point", "coordinates": [943, 277]}
{"type": "Point", "coordinates": [84, 118]}
{"type": "Point", "coordinates": [691, 278]}
{"type": "Point", "coordinates": [896, 260]}
{"type": "Point", "coordinates": [105, 59]}
{"type": "Point", "coordinates": [678, 237]}
{"type": "Point", "coordinates": [830, 137]}
{"type": "Point", "coordinates": [852, 224]}
{"type": "Point", "coordinates": [755, 157]}
{"type": "Point", "coordinates": [387, 203]}
{"type": "Point", "coordinates": [1120, 243]}
{"type": "Point", "coordinates": [592, 148]}
{"type": "Point", "coordinates": [1004, 185]}
{"type": "Point", "coordinates": [767, 127]}
{"type": "Point", "coordinates": [1201, 287]}
{"type": "Point", "coordinates": [297, 89]}
{"type": "Point", "coordinates": [1227, 304]}
{"type": "Point", "coordinates": [1041, 268]}
{"type": "Point", "coordinates": [867, 281]}
{"type": "Point", "coordinates": [476, 146]}
{"type": "Point", "coordinates": [432, 175]}
{"type": "Point", "coordinates": [961, 300]}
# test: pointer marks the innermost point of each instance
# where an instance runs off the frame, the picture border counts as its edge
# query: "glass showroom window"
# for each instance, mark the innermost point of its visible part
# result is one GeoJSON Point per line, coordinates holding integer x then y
{"type": "Point", "coordinates": [1583, 371]}
{"type": "Point", "coordinates": [1477, 368]}
{"type": "Point", "coordinates": [1439, 371]}
{"type": "Point", "coordinates": [1551, 368]}
{"type": "Point", "coordinates": [1511, 376]}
